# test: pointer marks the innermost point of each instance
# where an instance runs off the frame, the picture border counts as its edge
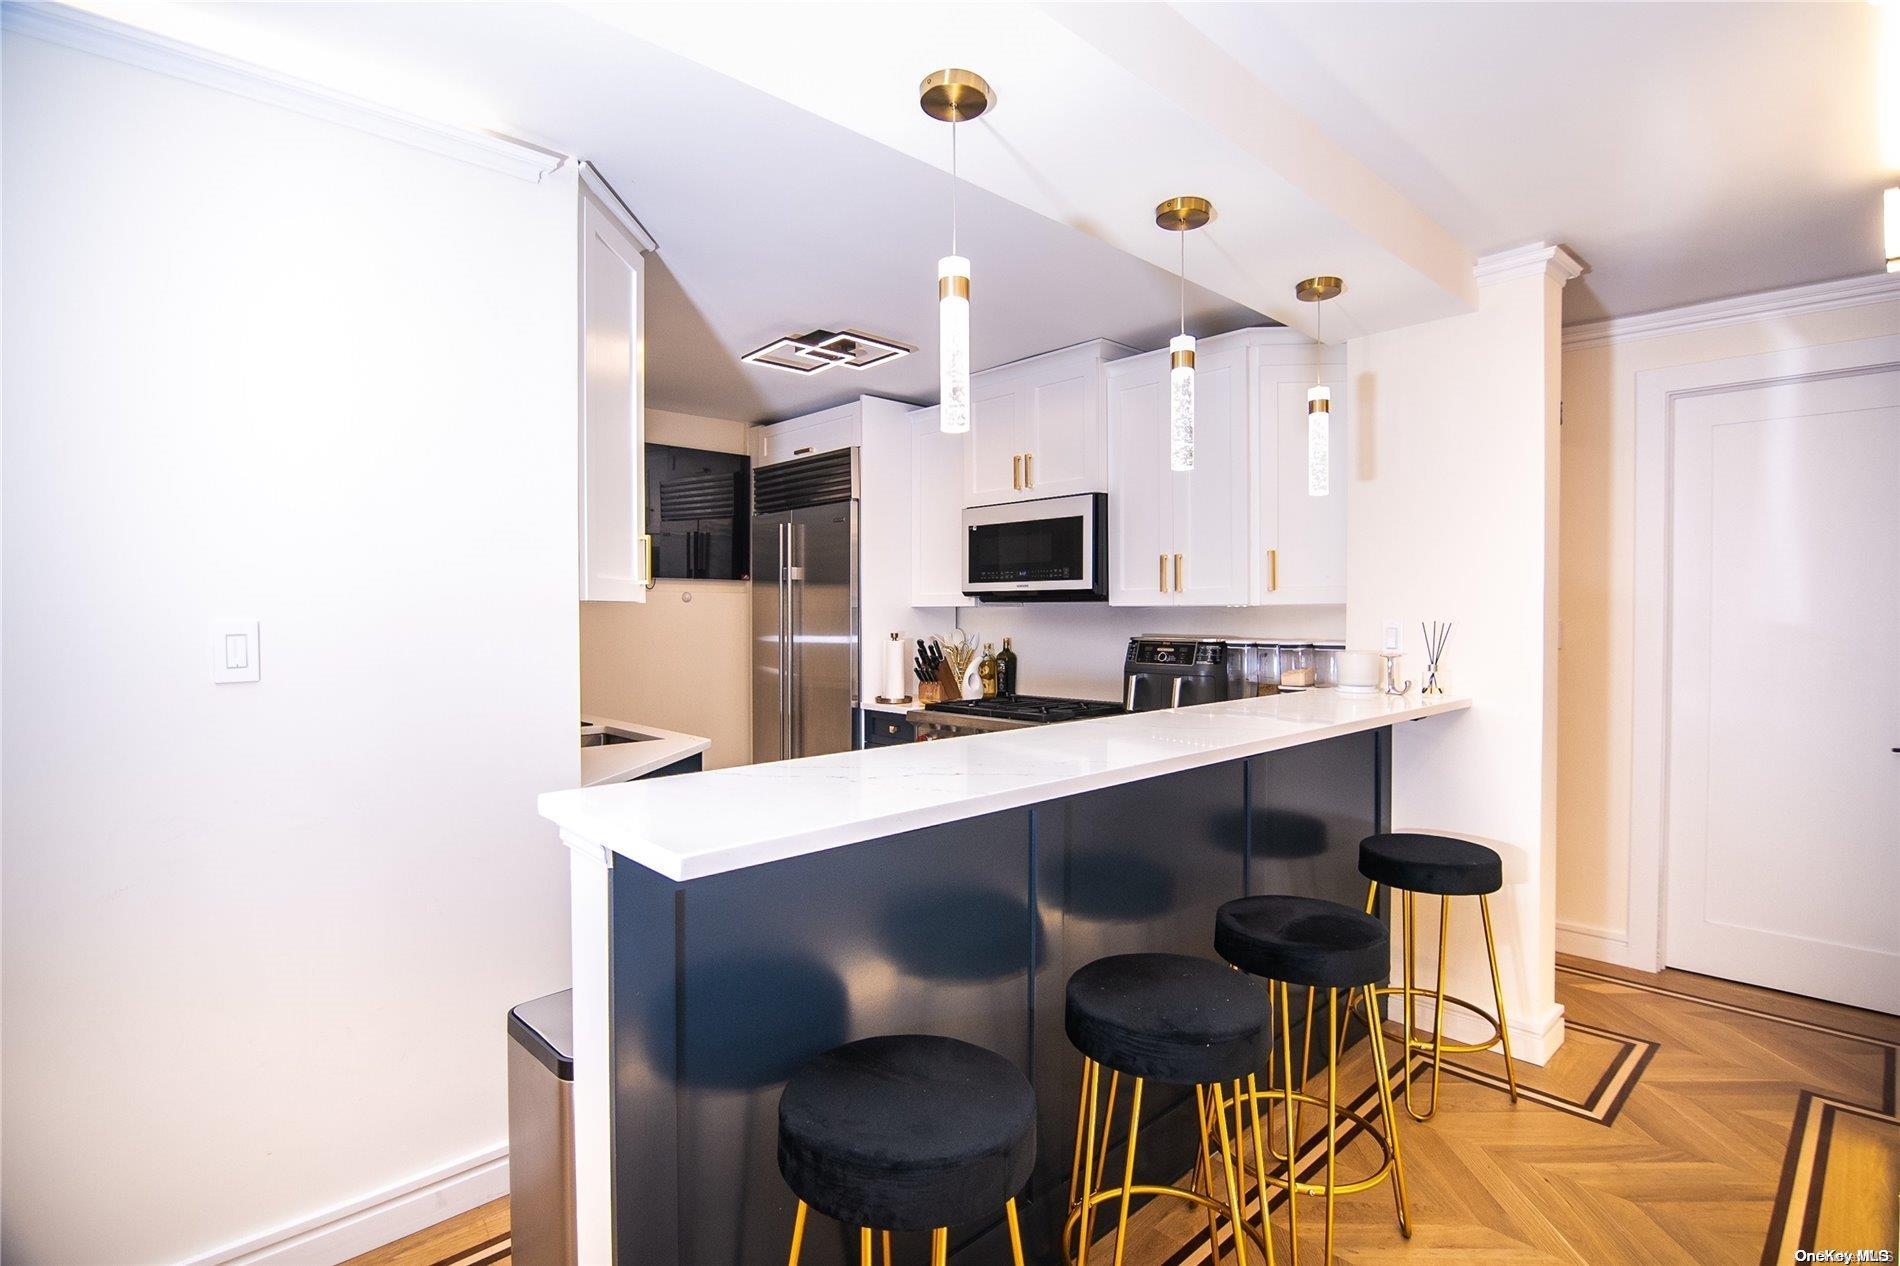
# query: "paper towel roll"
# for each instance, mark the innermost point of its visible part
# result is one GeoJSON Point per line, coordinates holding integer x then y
{"type": "Point", "coordinates": [897, 674]}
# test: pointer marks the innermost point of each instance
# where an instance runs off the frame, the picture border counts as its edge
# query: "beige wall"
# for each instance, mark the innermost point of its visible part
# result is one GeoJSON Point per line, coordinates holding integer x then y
{"type": "Point", "coordinates": [680, 660]}
{"type": "Point", "coordinates": [1597, 569]}
{"type": "Point", "coordinates": [1452, 516]}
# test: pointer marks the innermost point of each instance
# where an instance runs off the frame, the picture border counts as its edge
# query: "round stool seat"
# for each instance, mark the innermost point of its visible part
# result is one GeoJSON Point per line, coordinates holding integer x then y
{"type": "Point", "coordinates": [1302, 941]}
{"type": "Point", "coordinates": [1431, 863]}
{"type": "Point", "coordinates": [907, 1133]}
{"type": "Point", "coordinates": [1168, 1018]}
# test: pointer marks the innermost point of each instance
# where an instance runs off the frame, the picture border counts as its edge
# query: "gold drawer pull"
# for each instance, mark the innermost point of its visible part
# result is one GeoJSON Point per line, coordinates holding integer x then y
{"type": "Point", "coordinates": [1016, 471]}
{"type": "Point", "coordinates": [1177, 573]}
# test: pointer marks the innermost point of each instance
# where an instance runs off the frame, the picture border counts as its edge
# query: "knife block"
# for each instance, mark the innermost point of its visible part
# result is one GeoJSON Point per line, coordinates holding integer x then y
{"type": "Point", "coordinates": [947, 684]}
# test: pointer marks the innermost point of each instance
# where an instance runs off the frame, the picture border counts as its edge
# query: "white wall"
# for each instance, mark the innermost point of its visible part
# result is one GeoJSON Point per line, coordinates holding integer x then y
{"type": "Point", "coordinates": [1076, 649]}
{"type": "Point", "coordinates": [1453, 516]}
{"type": "Point", "coordinates": [1598, 561]}
{"type": "Point", "coordinates": [260, 939]}
{"type": "Point", "coordinates": [681, 660]}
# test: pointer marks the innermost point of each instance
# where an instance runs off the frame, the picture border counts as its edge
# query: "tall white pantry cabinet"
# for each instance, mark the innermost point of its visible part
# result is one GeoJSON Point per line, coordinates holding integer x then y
{"type": "Point", "coordinates": [616, 555]}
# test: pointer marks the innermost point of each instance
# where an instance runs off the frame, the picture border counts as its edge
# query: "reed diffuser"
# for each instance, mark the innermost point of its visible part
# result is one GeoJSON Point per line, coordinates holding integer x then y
{"type": "Point", "coordinates": [1435, 638]}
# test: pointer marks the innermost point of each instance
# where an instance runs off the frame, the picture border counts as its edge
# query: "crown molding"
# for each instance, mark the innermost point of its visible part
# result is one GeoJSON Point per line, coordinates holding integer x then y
{"type": "Point", "coordinates": [1824, 296]}
{"type": "Point", "coordinates": [1539, 259]}
{"type": "Point", "coordinates": [92, 33]}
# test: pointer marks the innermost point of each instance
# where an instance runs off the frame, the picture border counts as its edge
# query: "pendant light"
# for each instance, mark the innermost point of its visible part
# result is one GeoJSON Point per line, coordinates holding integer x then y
{"type": "Point", "coordinates": [953, 97]}
{"type": "Point", "coordinates": [1182, 215]}
{"type": "Point", "coordinates": [1319, 397]}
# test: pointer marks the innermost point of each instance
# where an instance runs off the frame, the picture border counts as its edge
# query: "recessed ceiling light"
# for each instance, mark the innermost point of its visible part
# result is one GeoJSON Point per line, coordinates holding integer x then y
{"type": "Point", "coordinates": [819, 350]}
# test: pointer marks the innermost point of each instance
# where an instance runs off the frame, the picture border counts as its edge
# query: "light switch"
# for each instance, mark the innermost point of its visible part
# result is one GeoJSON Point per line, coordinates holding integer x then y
{"type": "Point", "coordinates": [234, 651]}
{"type": "Point", "coordinates": [1394, 642]}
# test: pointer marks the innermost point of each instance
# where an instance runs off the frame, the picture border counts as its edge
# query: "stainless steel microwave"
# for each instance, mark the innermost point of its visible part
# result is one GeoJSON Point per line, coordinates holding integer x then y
{"type": "Point", "coordinates": [1053, 550]}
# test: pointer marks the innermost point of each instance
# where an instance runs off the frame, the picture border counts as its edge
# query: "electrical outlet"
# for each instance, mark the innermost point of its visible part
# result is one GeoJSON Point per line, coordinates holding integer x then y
{"type": "Point", "coordinates": [1394, 639]}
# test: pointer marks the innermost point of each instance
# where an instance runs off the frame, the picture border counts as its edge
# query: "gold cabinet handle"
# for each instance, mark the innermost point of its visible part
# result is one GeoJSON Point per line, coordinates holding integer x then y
{"type": "Point", "coordinates": [1177, 573]}
{"type": "Point", "coordinates": [1273, 570]}
{"type": "Point", "coordinates": [1016, 471]}
{"type": "Point", "coordinates": [1029, 470]}
{"type": "Point", "coordinates": [1163, 582]}
{"type": "Point", "coordinates": [646, 565]}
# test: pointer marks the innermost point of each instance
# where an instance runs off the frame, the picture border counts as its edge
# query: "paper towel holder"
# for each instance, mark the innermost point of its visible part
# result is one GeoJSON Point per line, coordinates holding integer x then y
{"type": "Point", "coordinates": [898, 645]}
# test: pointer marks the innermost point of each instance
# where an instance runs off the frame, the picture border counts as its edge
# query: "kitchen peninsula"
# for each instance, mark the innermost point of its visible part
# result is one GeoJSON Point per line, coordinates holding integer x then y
{"type": "Point", "coordinates": [730, 925]}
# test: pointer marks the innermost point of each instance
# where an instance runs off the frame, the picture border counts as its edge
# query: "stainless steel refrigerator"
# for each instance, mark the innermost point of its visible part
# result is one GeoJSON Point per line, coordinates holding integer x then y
{"type": "Point", "coordinates": [804, 606]}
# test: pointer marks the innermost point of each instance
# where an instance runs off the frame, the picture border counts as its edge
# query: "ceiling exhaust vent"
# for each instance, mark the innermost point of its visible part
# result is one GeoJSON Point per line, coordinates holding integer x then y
{"type": "Point", "coordinates": [820, 350]}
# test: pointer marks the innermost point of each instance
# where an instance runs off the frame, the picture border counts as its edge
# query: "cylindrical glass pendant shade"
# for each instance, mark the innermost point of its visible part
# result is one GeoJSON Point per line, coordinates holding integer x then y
{"type": "Point", "coordinates": [1319, 441]}
{"type": "Point", "coordinates": [953, 344]}
{"type": "Point", "coordinates": [1181, 403]}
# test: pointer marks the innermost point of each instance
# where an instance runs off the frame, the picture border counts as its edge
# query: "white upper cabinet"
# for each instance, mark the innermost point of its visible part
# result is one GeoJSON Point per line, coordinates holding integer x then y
{"type": "Point", "coordinates": [1302, 559]}
{"type": "Point", "coordinates": [1140, 494]}
{"type": "Point", "coordinates": [615, 553]}
{"type": "Point", "coordinates": [1180, 539]}
{"type": "Point", "coordinates": [1037, 427]}
{"type": "Point", "coordinates": [833, 429]}
{"type": "Point", "coordinates": [936, 506]}
{"type": "Point", "coordinates": [1213, 510]}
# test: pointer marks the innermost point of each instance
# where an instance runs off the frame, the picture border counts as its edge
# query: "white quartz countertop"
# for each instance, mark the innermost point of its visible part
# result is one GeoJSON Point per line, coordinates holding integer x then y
{"type": "Point", "coordinates": [619, 762]}
{"type": "Point", "coordinates": [705, 824]}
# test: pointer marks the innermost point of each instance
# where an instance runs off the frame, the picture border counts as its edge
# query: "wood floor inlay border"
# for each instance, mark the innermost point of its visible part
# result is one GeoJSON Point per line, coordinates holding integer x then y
{"type": "Point", "coordinates": [1807, 1176]}
{"type": "Point", "coordinates": [1889, 1089]}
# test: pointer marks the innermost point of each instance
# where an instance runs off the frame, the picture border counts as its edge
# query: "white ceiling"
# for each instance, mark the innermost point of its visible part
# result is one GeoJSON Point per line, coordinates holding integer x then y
{"type": "Point", "coordinates": [1683, 151]}
{"type": "Point", "coordinates": [770, 221]}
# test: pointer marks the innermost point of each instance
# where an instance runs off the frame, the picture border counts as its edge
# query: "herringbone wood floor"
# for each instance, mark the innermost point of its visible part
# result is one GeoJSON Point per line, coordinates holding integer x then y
{"type": "Point", "coordinates": [1685, 1120]}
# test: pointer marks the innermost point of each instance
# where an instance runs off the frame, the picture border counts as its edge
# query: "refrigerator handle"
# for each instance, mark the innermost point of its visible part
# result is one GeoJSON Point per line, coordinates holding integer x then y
{"type": "Point", "coordinates": [795, 573]}
{"type": "Point", "coordinates": [784, 641]}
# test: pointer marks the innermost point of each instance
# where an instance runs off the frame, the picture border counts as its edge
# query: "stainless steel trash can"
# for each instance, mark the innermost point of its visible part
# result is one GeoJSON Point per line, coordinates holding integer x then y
{"type": "Point", "coordinates": [541, 1131]}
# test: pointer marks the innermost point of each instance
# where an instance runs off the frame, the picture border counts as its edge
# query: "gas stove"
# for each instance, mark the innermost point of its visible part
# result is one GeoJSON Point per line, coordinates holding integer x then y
{"type": "Point", "coordinates": [969, 715]}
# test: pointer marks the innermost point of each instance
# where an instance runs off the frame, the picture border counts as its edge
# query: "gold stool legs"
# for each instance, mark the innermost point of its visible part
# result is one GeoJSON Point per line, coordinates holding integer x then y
{"type": "Point", "coordinates": [1392, 1166]}
{"type": "Point", "coordinates": [1406, 913]}
{"type": "Point", "coordinates": [939, 1239]}
{"type": "Point", "coordinates": [1088, 1170]}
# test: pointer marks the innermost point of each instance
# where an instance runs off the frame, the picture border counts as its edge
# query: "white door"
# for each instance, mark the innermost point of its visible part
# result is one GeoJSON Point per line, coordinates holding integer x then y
{"type": "Point", "coordinates": [936, 508]}
{"type": "Point", "coordinates": [996, 441]}
{"type": "Point", "coordinates": [1783, 849]}
{"type": "Point", "coordinates": [1213, 518]}
{"type": "Point", "coordinates": [613, 449]}
{"type": "Point", "coordinates": [1140, 491]}
{"type": "Point", "coordinates": [1063, 441]}
{"type": "Point", "coordinates": [1305, 534]}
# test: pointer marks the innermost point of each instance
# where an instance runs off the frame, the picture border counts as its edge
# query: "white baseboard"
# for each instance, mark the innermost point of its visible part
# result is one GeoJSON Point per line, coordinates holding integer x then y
{"type": "Point", "coordinates": [1600, 944]}
{"type": "Point", "coordinates": [347, 1230]}
{"type": "Point", "coordinates": [1533, 1043]}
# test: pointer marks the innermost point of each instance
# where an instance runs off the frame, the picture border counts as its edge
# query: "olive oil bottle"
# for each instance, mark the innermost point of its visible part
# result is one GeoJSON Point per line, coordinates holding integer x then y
{"type": "Point", "coordinates": [1006, 671]}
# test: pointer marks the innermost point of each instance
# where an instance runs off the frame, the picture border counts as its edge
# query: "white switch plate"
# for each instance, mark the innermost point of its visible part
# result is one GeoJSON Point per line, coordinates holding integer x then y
{"type": "Point", "coordinates": [233, 651]}
{"type": "Point", "coordinates": [1394, 642]}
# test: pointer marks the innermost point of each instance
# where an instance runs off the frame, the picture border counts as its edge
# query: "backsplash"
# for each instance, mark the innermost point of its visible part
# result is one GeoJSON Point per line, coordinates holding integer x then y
{"type": "Point", "coordinates": [1076, 649]}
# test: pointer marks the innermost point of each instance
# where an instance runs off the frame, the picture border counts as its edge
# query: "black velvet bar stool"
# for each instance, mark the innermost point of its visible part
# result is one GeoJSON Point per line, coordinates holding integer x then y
{"type": "Point", "coordinates": [1438, 865]}
{"type": "Point", "coordinates": [907, 1133]}
{"type": "Point", "coordinates": [1172, 1019]}
{"type": "Point", "coordinates": [1321, 945]}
